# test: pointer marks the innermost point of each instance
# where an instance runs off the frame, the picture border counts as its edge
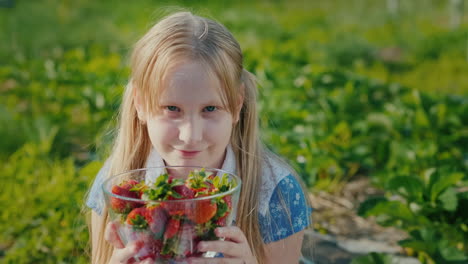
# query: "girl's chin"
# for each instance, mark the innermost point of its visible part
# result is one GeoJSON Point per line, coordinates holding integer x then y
{"type": "Point", "coordinates": [185, 162]}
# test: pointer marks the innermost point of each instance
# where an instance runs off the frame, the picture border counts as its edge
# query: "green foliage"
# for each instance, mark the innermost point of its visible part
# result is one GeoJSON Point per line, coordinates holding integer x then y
{"type": "Point", "coordinates": [434, 247]}
{"type": "Point", "coordinates": [43, 198]}
{"type": "Point", "coordinates": [87, 83]}
{"type": "Point", "coordinates": [345, 124]}
{"type": "Point", "coordinates": [346, 51]}
{"type": "Point", "coordinates": [373, 258]}
{"type": "Point", "coordinates": [431, 208]}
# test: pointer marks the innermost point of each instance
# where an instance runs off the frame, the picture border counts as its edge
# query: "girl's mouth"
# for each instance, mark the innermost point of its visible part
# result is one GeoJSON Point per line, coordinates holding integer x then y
{"type": "Point", "coordinates": [188, 153]}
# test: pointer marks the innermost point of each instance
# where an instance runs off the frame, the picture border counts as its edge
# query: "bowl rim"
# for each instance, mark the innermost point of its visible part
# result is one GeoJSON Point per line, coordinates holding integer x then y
{"type": "Point", "coordinates": [209, 197]}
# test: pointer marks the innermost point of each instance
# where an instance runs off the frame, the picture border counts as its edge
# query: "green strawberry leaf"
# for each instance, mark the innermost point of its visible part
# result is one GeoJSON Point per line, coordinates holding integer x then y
{"type": "Point", "coordinates": [222, 209]}
{"type": "Point", "coordinates": [216, 181]}
{"type": "Point", "coordinates": [451, 253]}
{"type": "Point", "coordinates": [169, 246]}
{"type": "Point", "coordinates": [174, 194]}
{"type": "Point", "coordinates": [139, 222]}
{"type": "Point", "coordinates": [163, 178]}
{"type": "Point", "coordinates": [154, 194]}
{"type": "Point", "coordinates": [140, 187]}
{"type": "Point", "coordinates": [162, 189]}
{"type": "Point", "coordinates": [411, 188]}
{"type": "Point", "coordinates": [196, 180]}
{"type": "Point", "coordinates": [373, 258]}
{"type": "Point", "coordinates": [202, 173]}
{"type": "Point", "coordinates": [366, 206]}
{"type": "Point", "coordinates": [418, 245]}
{"type": "Point", "coordinates": [222, 183]}
{"type": "Point", "coordinates": [439, 183]}
{"type": "Point", "coordinates": [205, 231]}
{"type": "Point", "coordinates": [449, 200]}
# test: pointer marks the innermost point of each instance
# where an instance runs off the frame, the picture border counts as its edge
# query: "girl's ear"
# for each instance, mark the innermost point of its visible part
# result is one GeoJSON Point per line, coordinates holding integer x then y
{"type": "Point", "coordinates": [239, 105]}
{"type": "Point", "coordinates": [139, 106]}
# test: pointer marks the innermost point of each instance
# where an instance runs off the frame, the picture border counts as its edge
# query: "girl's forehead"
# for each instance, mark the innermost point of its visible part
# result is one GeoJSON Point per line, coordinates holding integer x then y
{"type": "Point", "coordinates": [191, 81]}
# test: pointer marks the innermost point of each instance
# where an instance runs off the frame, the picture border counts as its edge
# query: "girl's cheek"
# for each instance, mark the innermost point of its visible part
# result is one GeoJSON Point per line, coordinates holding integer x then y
{"type": "Point", "coordinates": [211, 125]}
{"type": "Point", "coordinates": [164, 129]}
{"type": "Point", "coordinates": [222, 126]}
{"type": "Point", "coordinates": [169, 128]}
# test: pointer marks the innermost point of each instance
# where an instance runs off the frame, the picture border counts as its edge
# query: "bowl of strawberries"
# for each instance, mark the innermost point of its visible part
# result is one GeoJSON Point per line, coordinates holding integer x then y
{"type": "Point", "coordinates": [167, 211]}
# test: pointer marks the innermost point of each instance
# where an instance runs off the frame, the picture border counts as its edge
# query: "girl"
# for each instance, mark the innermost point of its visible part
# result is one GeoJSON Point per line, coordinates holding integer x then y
{"type": "Point", "coordinates": [190, 102]}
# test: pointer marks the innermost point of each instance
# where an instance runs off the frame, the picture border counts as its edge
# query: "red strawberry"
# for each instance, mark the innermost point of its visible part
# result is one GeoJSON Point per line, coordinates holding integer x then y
{"type": "Point", "coordinates": [172, 228]}
{"type": "Point", "coordinates": [128, 184]}
{"type": "Point", "coordinates": [158, 221]}
{"type": "Point", "coordinates": [221, 221]}
{"type": "Point", "coordinates": [184, 191]}
{"type": "Point", "coordinates": [151, 249]}
{"type": "Point", "coordinates": [175, 208]}
{"type": "Point", "coordinates": [123, 206]}
{"type": "Point", "coordinates": [139, 218]}
{"type": "Point", "coordinates": [228, 200]}
{"type": "Point", "coordinates": [156, 246]}
{"type": "Point", "coordinates": [179, 208]}
{"type": "Point", "coordinates": [203, 211]}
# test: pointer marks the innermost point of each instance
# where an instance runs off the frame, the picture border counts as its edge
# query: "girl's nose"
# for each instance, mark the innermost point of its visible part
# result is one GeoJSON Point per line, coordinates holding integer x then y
{"type": "Point", "coordinates": [191, 131]}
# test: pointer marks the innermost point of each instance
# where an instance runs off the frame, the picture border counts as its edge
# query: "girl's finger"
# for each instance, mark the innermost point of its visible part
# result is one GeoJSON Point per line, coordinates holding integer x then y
{"type": "Point", "coordinates": [232, 233]}
{"type": "Point", "coordinates": [122, 255]}
{"type": "Point", "coordinates": [228, 248]}
{"type": "Point", "coordinates": [111, 235]}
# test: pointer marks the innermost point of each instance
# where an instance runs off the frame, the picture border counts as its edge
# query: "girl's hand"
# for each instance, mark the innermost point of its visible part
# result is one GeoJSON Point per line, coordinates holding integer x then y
{"type": "Point", "coordinates": [122, 254]}
{"type": "Point", "coordinates": [235, 248]}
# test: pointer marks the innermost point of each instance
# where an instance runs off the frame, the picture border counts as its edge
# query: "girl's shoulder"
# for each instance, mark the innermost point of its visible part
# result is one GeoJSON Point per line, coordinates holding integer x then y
{"type": "Point", "coordinates": [284, 208]}
{"type": "Point", "coordinates": [95, 198]}
{"type": "Point", "coordinates": [275, 172]}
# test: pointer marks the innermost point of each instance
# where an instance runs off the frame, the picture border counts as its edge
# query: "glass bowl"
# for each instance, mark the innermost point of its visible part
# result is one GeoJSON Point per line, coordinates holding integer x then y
{"type": "Point", "coordinates": [166, 211]}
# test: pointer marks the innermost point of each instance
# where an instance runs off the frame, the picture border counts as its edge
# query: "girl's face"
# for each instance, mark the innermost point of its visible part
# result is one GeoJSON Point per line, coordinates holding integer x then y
{"type": "Point", "coordinates": [191, 126]}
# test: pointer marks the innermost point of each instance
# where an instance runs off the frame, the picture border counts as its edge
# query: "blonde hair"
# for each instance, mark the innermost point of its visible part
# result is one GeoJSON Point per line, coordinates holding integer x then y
{"type": "Point", "coordinates": [183, 35]}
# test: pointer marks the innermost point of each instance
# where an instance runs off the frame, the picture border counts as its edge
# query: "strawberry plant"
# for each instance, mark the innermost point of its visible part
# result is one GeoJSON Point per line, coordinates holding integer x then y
{"type": "Point", "coordinates": [431, 209]}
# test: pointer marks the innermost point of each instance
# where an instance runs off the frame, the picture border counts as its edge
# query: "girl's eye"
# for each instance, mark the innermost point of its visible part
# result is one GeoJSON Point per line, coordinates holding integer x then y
{"type": "Point", "coordinates": [209, 108]}
{"type": "Point", "coordinates": [172, 108]}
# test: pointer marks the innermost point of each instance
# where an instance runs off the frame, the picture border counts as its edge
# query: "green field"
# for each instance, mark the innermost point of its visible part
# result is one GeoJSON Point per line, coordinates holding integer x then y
{"type": "Point", "coordinates": [347, 89]}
